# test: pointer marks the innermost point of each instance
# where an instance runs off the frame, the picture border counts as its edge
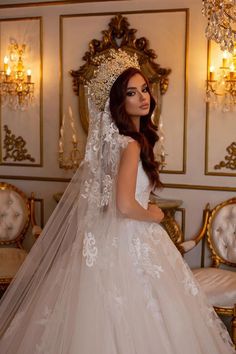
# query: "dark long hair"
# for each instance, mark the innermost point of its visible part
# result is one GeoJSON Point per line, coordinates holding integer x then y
{"type": "Point", "coordinates": [147, 136]}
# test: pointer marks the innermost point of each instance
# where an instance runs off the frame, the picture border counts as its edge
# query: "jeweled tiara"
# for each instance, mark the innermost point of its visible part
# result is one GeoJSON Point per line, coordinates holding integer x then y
{"type": "Point", "coordinates": [109, 68]}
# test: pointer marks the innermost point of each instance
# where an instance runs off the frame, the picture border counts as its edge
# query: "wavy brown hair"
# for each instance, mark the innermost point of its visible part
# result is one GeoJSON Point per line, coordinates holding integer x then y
{"type": "Point", "coordinates": [147, 136]}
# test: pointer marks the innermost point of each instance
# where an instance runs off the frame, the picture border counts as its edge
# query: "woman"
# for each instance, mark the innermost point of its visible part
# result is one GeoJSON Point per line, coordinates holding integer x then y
{"type": "Point", "coordinates": [105, 278]}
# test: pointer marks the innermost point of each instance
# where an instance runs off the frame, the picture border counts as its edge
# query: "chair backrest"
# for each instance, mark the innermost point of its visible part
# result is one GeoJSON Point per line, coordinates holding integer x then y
{"type": "Point", "coordinates": [14, 214]}
{"type": "Point", "coordinates": [221, 233]}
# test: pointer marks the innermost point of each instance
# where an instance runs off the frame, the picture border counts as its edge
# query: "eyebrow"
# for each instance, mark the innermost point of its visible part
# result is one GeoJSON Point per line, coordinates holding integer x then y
{"type": "Point", "coordinates": [135, 88]}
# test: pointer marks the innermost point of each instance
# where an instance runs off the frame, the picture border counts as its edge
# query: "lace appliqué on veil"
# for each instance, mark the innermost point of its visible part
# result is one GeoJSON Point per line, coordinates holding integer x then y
{"type": "Point", "coordinates": [213, 320]}
{"type": "Point", "coordinates": [189, 282]}
{"type": "Point", "coordinates": [90, 250]}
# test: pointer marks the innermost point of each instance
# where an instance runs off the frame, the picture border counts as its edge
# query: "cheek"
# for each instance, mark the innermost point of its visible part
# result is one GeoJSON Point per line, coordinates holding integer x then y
{"type": "Point", "coordinates": [129, 106]}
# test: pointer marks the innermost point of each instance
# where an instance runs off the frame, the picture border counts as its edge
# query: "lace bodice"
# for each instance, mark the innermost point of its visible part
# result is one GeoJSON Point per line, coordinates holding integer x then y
{"type": "Point", "coordinates": [143, 187]}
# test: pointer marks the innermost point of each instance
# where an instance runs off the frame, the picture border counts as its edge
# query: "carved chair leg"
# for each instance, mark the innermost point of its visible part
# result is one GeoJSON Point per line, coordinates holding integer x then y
{"type": "Point", "coordinates": [233, 326]}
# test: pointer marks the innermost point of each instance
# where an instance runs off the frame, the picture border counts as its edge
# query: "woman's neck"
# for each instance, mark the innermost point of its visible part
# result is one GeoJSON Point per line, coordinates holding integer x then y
{"type": "Point", "coordinates": [136, 121]}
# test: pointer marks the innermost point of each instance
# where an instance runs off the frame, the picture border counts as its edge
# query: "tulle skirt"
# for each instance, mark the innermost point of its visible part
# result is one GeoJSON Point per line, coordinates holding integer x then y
{"type": "Point", "coordinates": [128, 292]}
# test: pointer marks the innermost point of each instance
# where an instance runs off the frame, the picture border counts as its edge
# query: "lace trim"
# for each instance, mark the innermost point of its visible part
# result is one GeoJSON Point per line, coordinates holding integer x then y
{"type": "Point", "coordinates": [190, 285]}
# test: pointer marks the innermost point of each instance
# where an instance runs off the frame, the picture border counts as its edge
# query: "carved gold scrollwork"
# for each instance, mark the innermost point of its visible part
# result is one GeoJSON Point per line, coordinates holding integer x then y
{"type": "Point", "coordinates": [15, 147]}
{"type": "Point", "coordinates": [172, 227]}
{"type": "Point", "coordinates": [119, 35]}
{"type": "Point", "coordinates": [230, 159]}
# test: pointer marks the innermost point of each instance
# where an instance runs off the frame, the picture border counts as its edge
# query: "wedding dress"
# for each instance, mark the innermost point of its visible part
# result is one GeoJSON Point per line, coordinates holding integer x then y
{"type": "Point", "coordinates": [128, 293]}
{"type": "Point", "coordinates": [96, 282]}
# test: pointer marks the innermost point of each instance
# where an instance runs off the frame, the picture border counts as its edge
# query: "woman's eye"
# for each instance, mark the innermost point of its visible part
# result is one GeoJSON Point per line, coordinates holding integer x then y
{"type": "Point", "coordinates": [145, 89]}
{"type": "Point", "coordinates": [130, 93]}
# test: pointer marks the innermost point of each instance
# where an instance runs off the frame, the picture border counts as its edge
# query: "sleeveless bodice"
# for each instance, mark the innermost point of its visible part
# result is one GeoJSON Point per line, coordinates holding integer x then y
{"type": "Point", "coordinates": [143, 187]}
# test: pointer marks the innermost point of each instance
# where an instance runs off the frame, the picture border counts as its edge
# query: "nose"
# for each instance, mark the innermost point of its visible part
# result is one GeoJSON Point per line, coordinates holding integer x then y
{"type": "Point", "coordinates": [141, 96]}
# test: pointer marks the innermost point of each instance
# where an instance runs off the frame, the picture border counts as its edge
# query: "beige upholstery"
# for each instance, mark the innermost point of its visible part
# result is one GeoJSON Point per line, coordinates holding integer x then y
{"type": "Point", "coordinates": [224, 232]}
{"type": "Point", "coordinates": [13, 215]}
{"type": "Point", "coordinates": [219, 284]}
{"type": "Point", "coordinates": [222, 295]}
{"type": "Point", "coordinates": [16, 212]}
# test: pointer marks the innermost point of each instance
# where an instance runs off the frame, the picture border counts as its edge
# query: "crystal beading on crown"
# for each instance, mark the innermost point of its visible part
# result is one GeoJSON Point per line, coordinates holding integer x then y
{"type": "Point", "coordinates": [109, 68]}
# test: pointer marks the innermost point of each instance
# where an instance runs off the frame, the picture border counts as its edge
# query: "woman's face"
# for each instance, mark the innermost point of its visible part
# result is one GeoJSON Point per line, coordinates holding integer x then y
{"type": "Point", "coordinates": [137, 100]}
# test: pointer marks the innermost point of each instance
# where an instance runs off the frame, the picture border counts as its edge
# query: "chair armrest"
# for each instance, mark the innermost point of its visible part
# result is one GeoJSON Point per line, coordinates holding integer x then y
{"type": "Point", "coordinates": [36, 229]}
{"type": "Point", "coordinates": [187, 246]}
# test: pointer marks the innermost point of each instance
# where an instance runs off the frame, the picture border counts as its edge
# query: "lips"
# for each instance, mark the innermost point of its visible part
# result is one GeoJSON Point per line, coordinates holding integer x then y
{"type": "Point", "coordinates": [144, 106]}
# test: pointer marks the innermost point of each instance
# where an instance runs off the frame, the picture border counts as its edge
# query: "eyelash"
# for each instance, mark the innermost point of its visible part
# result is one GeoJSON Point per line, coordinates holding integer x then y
{"type": "Point", "coordinates": [132, 93]}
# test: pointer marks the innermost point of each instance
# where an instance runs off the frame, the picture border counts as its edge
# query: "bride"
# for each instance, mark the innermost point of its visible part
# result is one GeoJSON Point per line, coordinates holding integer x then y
{"type": "Point", "coordinates": [104, 277]}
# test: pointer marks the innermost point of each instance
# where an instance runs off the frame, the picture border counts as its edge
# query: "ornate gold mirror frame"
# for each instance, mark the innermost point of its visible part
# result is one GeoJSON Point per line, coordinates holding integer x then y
{"type": "Point", "coordinates": [119, 35]}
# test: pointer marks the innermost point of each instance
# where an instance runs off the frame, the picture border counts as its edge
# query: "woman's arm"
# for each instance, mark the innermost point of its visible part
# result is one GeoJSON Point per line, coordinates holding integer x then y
{"type": "Point", "coordinates": [126, 185]}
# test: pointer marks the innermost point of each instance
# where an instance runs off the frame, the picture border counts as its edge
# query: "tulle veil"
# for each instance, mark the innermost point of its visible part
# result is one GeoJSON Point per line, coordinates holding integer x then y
{"type": "Point", "coordinates": [84, 214]}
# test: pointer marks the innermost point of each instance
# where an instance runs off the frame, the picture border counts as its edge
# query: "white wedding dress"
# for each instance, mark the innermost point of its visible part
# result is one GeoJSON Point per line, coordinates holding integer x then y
{"type": "Point", "coordinates": [128, 292]}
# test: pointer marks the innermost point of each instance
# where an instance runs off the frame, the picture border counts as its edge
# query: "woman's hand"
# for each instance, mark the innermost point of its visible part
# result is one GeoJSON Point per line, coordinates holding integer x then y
{"type": "Point", "coordinates": [157, 213]}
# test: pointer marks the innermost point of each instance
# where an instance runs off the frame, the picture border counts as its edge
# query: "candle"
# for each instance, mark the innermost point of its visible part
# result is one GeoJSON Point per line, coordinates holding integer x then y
{"type": "Point", "coordinates": [5, 60]}
{"type": "Point", "coordinates": [60, 145]}
{"type": "Point", "coordinates": [62, 132]}
{"type": "Point", "coordinates": [212, 73]}
{"type": "Point", "coordinates": [231, 72]}
{"type": "Point", "coordinates": [72, 123]}
{"type": "Point", "coordinates": [70, 112]}
{"type": "Point", "coordinates": [28, 75]}
{"type": "Point", "coordinates": [62, 128]}
{"type": "Point", "coordinates": [8, 73]}
{"type": "Point", "coordinates": [71, 119]}
{"type": "Point", "coordinates": [74, 139]}
{"type": "Point", "coordinates": [225, 59]}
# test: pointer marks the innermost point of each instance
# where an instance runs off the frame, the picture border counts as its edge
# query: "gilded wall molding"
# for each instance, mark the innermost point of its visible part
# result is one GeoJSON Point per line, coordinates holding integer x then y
{"type": "Point", "coordinates": [229, 162]}
{"type": "Point", "coordinates": [15, 147]}
{"type": "Point", "coordinates": [230, 159]}
{"type": "Point", "coordinates": [183, 36]}
{"type": "Point", "coordinates": [49, 3]}
{"type": "Point", "coordinates": [15, 26]}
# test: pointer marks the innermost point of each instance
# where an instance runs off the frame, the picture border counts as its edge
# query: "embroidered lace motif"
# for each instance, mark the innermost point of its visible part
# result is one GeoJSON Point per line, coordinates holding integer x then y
{"type": "Point", "coordinates": [141, 255]}
{"type": "Point", "coordinates": [189, 282]}
{"type": "Point", "coordinates": [140, 252]}
{"type": "Point", "coordinates": [90, 251]}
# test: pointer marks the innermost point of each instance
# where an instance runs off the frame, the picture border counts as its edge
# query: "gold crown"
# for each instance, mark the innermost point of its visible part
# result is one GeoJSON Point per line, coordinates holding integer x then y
{"type": "Point", "coordinates": [109, 68]}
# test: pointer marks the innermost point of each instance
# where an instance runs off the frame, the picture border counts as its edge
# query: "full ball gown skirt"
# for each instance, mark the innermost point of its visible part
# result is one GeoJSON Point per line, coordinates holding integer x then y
{"type": "Point", "coordinates": [128, 292]}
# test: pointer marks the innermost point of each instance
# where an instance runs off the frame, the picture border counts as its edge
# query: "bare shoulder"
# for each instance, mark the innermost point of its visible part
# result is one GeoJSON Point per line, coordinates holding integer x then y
{"type": "Point", "coordinates": [131, 152]}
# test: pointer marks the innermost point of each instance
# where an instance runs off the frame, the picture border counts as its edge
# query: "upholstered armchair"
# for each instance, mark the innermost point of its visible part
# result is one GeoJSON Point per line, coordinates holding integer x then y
{"type": "Point", "coordinates": [16, 214]}
{"type": "Point", "coordinates": [219, 280]}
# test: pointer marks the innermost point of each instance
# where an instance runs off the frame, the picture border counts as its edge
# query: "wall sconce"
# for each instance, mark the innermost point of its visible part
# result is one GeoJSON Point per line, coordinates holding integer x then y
{"type": "Point", "coordinates": [221, 83]}
{"type": "Point", "coordinates": [16, 88]}
{"type": "Point", "coordinates": [72, 159]}
{"type": "Point", "coordinates": [221, 21]}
